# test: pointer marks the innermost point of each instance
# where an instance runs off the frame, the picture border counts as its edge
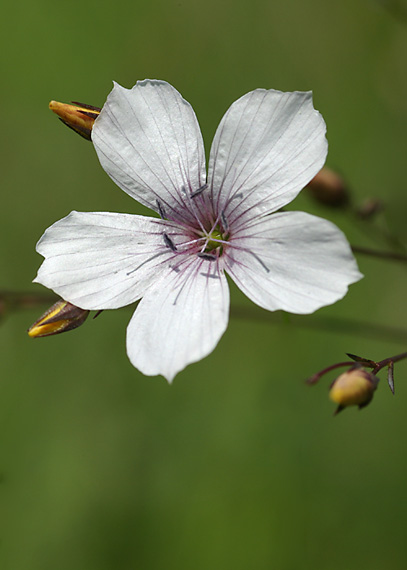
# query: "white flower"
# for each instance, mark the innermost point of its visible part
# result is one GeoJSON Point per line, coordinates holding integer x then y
{"type": "Point", "coordinates": [268, 146]}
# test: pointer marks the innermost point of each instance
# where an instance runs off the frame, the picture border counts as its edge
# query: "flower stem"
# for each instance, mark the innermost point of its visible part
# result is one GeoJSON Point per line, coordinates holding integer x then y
{"type": "Point", "coordinates": [390, 360]}
{"type": "Point", "coordinates": [389, 255]}
{"type": "Point", "coordinates": [14, 300]}
{"type": "Point", "coordinates": [338, 325]}
{"type": "Point", "coordinates": [22, 300]}
{"type": "Point", "coordinates": [315, 378]}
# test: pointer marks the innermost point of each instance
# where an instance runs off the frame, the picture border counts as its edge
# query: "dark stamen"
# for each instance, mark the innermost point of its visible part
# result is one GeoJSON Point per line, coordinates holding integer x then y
{"type": "Point", "coordinates": [145, 262]}
{"type": "Point", "coordinates": [207, 256]}
{"type": "Point", "coordinates": [200, 189]}
{"type": "Point", "coordinates": [210, 275]}
{"type": "Point", "coordinates": [161, 210]}
{"type": "Point", "coordinates": [224, 221]}
{"type": "Point", "coordinates": [237, 196]}
{"type": "Point", "coordinates": [168, 242]}
{"type": "Point", "coordinates": [260, 261]}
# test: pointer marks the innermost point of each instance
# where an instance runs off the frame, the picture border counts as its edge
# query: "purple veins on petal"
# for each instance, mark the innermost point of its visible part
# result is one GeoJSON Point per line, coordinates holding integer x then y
{"type": "Point", "coordinates": [267, 146]}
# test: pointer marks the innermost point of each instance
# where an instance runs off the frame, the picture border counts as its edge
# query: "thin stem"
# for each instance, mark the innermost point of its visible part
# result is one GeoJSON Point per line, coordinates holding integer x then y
{"type": "Point", "coordinates": [336, 325]}
{"type": "Point", "coordinates": [22, 300]}
{"type": "Point", "coordinates": [379, 233]}
{"type": "Point", "coordinates": [12, 300]}
{"type": "Point", "coordinates": [390, 360]}
{"type": "Point", "coordinates": [390, 255]}
{"type": "Point", "coordinates": [315, 378]}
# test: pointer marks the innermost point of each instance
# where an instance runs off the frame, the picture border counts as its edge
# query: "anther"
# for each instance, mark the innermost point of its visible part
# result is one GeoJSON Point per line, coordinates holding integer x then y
{"type": "Point", "coordinates": [161, 210]}
{"type": "Point", "coordinates": [199, 191]}
{"type": "Point", "coordinates": [207, 256]}
{"type": "Point", "coordinates": [224, 221]}
{"type": "Point", "coordinates": [260, 261]}
{"type": "Point", "coordinates": [237, 196]}
{"type": "Point", "coordinates": [169, 243]}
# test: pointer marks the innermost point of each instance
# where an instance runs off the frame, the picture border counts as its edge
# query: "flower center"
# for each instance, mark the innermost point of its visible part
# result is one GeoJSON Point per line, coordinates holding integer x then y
{"type": "Point", "coordinates": [215, 241]}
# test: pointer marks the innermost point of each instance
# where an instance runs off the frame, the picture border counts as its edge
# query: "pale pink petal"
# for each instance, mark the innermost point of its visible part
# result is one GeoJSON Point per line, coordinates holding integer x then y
{"type": "Point", "coordinates": [149, 142]}
{"type": "Point", "coordinates": [103, 260]}
{"type": "Point", "coordinates": [291, 261]}
{"type": "Point", "coordinates": [180, 320]}
{"type": "Point", "coordinates": [267, 147]}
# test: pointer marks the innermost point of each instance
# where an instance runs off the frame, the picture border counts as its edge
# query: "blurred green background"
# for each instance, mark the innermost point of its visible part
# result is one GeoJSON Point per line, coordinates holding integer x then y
{"type": "Point", "coordinates": [238, 465]}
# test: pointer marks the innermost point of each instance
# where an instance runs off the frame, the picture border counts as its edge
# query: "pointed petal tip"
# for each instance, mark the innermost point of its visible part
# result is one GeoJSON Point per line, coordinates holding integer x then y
{"type": "Point", "coordinates": [37, 277]}
{"type": "Point", "coordinates": [162, 151]}
{"type": "Point", "coordinates": [276, 126]}
{"type": "Point", "coordinates": [169, 378]}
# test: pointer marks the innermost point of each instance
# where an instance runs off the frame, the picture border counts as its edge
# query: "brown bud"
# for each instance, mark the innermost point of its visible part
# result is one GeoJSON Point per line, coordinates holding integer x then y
{"type": "Point", "coordinates": [59, 318]}
{"type": "Point", "coordinates": [353, 388]}
{"type": "Point", "coordinates": [329, 188]}
{"type": "Point", "coordinates": [78, 117]}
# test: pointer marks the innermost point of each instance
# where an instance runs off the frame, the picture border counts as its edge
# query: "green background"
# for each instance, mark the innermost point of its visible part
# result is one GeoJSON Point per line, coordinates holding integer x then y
{"type": "Point", "coordinates": [238, 464]}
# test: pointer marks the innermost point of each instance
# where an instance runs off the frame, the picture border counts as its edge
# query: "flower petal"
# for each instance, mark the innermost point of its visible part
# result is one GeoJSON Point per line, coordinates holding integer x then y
{"type": "Point", "coordinates": [268, 146]}
{"type": "Point", "coordinates": [292, 261]}
{"type": "Point", "coordinates": [103, 260]}
{"type": "Point", "coordinates": [149, 142]}
{"type": "Point", "coordinates": [180, 320]}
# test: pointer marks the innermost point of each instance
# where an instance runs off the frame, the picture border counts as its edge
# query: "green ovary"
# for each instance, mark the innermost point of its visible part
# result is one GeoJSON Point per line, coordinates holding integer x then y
{"type": "Point", "coordinates": [213, 242]}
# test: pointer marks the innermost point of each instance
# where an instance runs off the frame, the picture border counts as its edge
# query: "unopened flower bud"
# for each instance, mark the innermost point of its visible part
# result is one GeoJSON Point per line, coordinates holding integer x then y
{"type": "Point", "coordinates": [353, 388]}
{"type": "Point", "coordinates": [329, 188]}
{"type": "Point", "coordinates": [59, 318]}
{"type": "Point", "coordinates": [78, 117]}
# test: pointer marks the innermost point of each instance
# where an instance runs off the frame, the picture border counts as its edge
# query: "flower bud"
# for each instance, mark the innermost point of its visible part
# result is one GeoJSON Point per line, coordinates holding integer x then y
{"type": "Point", "coordinates": [353, 388]}
{"type": "Point", "coordinates": [329, 188]}
{"type": "Point", "coordinates": [78, 117]}
{"type": "Point", "coordinates": [59, 318]}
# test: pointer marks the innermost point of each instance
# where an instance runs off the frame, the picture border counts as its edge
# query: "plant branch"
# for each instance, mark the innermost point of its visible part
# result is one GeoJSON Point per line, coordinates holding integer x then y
{"type": "Point", "coordinates": [389, 255]}
{"type": "Point", "coordinates": [339, 325]}
{"type": "Point", "coordinates": [12, 300]}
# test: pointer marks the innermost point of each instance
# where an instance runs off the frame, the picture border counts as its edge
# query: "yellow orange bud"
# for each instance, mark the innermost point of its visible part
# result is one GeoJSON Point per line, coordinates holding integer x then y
{"type": "Point", "coordinates": [59, 318]}
{"type": "Point", "coordinates": [329, 188]}
{"type": "Point", "coordinates": [353, 388]}
{"type": "Point", "coordinates": [79, 117]}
